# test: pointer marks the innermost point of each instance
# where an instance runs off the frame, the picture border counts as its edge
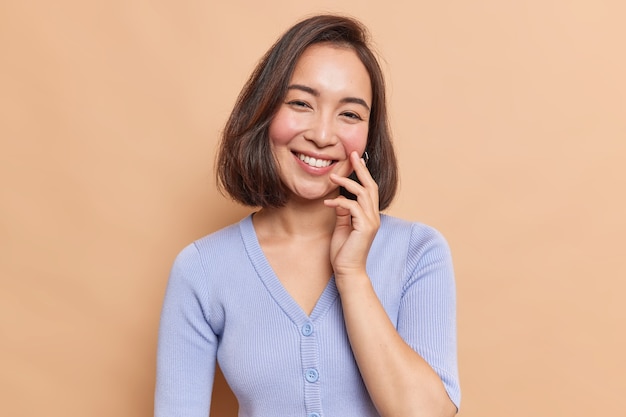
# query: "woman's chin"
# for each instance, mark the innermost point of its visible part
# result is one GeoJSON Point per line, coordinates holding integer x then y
{"type": "Point", "coordinates": [310, 195]}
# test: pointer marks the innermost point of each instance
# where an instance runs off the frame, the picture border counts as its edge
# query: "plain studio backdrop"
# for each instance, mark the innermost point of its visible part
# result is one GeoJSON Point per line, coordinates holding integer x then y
{"type": "Point", "coordinates": [509, 119]}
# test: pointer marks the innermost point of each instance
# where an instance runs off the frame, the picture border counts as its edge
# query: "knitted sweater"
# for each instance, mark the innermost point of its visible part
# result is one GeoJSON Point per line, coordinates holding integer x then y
{"type": "Point", "coordinates": [224, 302]}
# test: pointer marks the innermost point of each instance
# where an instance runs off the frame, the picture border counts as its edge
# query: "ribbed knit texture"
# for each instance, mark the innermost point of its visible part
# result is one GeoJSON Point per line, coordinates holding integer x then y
{"type": "Point", "coordinates": [224, 302]}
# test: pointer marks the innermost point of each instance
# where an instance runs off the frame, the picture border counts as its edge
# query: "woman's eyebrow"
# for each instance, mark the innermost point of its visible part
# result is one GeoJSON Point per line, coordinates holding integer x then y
{"type": "Point", "coordinates": [304, 88]}
{"type": "Point", "coordinates": [314, 92]}
{"type": "Point", "coordinates": [356, 100]}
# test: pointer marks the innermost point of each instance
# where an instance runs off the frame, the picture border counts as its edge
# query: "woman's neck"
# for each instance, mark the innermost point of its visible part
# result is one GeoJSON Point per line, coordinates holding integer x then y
{"type": "Point", "coordinates": [296, 220]}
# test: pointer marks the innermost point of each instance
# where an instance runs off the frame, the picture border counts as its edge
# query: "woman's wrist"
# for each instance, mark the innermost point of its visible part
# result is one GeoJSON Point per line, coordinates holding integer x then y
{"type": "Point", "coordinates": [352, 283]}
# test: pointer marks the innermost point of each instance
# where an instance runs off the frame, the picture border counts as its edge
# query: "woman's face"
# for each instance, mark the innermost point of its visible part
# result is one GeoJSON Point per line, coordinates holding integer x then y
{"type": "Point", "coordinates": [323, 118]}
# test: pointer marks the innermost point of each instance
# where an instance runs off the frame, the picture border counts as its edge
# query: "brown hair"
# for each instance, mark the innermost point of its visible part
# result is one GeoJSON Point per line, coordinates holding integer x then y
{"type": "Point", "coordinates": [246, 169]}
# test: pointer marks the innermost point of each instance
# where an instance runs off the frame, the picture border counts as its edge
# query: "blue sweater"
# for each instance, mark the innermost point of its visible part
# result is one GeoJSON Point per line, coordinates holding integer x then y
{"type": "Point", "coordinates": [224, 302]}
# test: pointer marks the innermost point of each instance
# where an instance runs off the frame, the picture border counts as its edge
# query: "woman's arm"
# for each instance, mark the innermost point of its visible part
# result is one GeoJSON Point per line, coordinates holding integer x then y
{"type": "Point", "coordinates": [399, 380]}
{"type": "Point", "coordinates": [187, 345]}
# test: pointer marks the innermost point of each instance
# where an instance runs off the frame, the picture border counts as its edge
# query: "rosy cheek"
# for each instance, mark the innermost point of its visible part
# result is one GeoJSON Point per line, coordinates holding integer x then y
{"type": "Point", "coordinates": [355, 140]}
{"type": "Point", "coordinates": [282, 128]}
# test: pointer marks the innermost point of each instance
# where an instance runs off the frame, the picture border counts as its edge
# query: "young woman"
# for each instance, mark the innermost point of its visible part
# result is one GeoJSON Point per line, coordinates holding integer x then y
{"type": "Point", "coordinates": [316, 305]}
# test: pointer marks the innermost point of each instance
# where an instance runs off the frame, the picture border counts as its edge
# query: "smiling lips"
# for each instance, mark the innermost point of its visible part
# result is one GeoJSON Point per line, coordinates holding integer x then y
{"type": "Point", "coordinates": [317, 163]}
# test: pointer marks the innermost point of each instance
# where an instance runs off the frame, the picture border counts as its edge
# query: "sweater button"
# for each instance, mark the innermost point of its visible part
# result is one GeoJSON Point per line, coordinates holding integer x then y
{"type": "Point", "coordinates": [307, 329]}
{"type": "Point", "coordinates": [314, 415]}
{"type": "Point", "coordinates": [311, 375]}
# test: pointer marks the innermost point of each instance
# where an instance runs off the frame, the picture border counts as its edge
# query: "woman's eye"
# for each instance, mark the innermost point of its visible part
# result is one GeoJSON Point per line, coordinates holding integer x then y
{"type": "Point", "coordinates": [297, 103]}
{"type": "Point", "coordinates": [351, 115]}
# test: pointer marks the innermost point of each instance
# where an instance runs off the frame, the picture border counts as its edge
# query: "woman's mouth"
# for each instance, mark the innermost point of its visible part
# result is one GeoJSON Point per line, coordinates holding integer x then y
{"type": "Point", "coordinates": [313, 162]}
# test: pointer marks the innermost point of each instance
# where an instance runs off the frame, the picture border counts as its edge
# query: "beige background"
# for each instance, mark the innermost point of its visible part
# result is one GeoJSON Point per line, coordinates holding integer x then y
{"type": "Point", "coordinates": [510, 124]}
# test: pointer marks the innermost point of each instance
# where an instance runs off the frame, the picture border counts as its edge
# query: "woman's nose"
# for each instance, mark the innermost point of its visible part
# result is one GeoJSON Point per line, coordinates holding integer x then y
{"type": "Point", "coordinates": [322, 131]}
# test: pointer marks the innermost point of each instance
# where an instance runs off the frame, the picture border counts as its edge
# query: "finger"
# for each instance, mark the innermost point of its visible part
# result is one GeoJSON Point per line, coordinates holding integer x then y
{"type": "Point", "coordinates": [344, 218]}
{"type": "Point", "coordinates": [345, 206]}
{"type": "Point", "coordinates": [358, 217]}
{"type": "Point", "coordinates": [367, 198]}
{"type": "Point", "coordinates": [342, 202]}
{"type": "Point", "coordinates": [364, 176]}
{"type": "Point", "coordinates": [363, 197]}
{"type": "Point", "coordinates": [360, 168]}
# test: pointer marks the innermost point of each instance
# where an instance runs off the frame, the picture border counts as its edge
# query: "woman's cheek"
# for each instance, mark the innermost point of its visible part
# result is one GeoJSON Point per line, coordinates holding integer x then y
{"type": "Point", "coordinates": [283, 128]}
{"type": "Point", "coordinates": [356, 140]}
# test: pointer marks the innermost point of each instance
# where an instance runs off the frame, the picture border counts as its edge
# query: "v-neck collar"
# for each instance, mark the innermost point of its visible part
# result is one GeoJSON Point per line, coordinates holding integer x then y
{"type": "Point", "coordinates": [273, 285]}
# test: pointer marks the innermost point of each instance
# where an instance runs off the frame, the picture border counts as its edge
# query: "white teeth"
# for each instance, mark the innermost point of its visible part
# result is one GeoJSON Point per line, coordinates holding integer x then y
{"type": "Point", "coordinates": [318, 163]}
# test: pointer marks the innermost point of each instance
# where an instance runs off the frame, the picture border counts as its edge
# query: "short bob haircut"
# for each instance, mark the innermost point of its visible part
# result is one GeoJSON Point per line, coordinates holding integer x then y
{"type": "Point", "coordinates": [245, 166]}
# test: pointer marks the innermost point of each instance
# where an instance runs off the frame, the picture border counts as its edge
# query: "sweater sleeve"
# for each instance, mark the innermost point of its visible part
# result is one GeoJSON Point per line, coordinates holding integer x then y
{"type": "Point", "coordinates": [187, 345]}
{"type": "Point", "coordinates": [427, 316]}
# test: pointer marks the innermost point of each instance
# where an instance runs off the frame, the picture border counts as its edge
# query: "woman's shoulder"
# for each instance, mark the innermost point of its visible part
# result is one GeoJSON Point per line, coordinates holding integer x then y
{"type": "Point", "coordinates": [395, 228]}
{"type": "Point", "coordinates": [221, 236]}
{"type": "Point", "coordinates": [218, 244]}
{"type": "Point", "coordinates": [421, 247]}
{"type": "Point", "coordinates": [413, 239]}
